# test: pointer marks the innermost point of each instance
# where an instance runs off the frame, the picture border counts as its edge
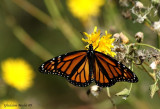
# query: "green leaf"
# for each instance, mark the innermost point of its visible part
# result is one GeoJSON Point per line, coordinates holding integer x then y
{"type": "Point", "coordinates": [125, 93]}
{"type": "Point", "coordinates": [154, 88]}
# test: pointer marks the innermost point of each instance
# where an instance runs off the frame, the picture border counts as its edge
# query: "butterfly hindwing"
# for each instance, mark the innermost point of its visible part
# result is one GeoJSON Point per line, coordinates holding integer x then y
{"type": "Point", "coordinates": [74, 66]}
{"type": "Point", "coordinates": [108, 71]}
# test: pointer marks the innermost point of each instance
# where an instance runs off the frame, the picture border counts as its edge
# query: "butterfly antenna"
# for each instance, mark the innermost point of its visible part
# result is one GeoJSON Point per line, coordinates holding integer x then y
{"type": "Point", "coordinates": [82, 34]}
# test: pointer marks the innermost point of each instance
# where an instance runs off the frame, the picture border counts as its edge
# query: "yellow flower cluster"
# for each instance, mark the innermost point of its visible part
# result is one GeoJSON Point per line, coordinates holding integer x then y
{"type": "Point", "coordinates": [17, 73]}
{"type": "Point", "coordinates": [9, 104]}
{"type": "Point", "coordinates": [83, 9]}
{"type": "Point", "coordinates": [102, 44]}
{"type": "Point", "coordinates": [93, 38]}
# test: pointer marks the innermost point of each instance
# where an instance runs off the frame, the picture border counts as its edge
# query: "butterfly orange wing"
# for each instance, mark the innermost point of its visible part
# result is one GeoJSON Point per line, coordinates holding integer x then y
{"type": "Point", "coordinates": [108, 71]}
{"type": "Point", "coordinates": [74, 66]}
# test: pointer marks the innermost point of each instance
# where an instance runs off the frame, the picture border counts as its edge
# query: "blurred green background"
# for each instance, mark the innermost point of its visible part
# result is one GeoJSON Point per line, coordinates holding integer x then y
{"type": "Point", "coordinates": [39, 30]}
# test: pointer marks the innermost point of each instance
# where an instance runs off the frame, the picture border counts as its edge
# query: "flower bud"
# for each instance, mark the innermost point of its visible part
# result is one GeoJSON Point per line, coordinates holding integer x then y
{"type": "Point", "coordinates": [127, 14]}
{"type": "Point", "coordinates": [139, 5]}
{"type": "Point", "coordinates": [124, 38]}
{"type": "Point", "coordinates": [154, 64]}
{"type": "Point", "coordinates": [116, 35]}
{"type": "Point", "coordinates": [156, 26]}
{"type": "Point", "coordinates": [141, 55]}
{"type": "Point", "coordinates": [139, 37]}
{"type": "Point", "coordinates": [94, 90]}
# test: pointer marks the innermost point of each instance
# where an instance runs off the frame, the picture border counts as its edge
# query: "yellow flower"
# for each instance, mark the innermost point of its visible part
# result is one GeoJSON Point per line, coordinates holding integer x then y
{"type": "Point", "coordinates": [83, 9]}
{"type": "Point", "coordinates": [102, 44]}
{"type": "Point", "coordinates": [93, 38]}
{"type": "Point", "coordinates": [105, 44]}
{"type": "Point", "coordinates": [17, 73]}
{"type": "Point", "coordinates": [9, 104]}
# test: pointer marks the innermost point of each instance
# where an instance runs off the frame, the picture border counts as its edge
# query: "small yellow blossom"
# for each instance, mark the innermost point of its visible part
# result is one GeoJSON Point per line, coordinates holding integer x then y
{"type": "Point", "coordinates": [17, 73]}
{"type": "Point", "coordinates": [83, 9]}
{"type": "Point", "coordinates": [105, 44]}
{"type": "Point", "coordinates": [93, 38]}
{"type": "Point", "coordinates": [9, 104]}
{"type": "Point", "coordinates": [102, 44]}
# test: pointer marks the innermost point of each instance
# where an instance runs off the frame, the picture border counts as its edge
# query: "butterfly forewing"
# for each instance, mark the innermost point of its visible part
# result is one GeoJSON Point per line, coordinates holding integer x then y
{"type": "Point", "coordinates": [74, 66]}
{"type": "Point", "coordinates": [108, 71]}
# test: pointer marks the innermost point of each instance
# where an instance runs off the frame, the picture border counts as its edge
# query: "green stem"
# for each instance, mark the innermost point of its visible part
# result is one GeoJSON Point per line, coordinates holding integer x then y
{"type": "Point", "coordinates": [63, 25]}
{"type": "Point", "coordinates": [131, 83]}
{"type": "Point", "coordinates": [130, 88]}
{"type": "Point", "coordinates": [27, 40]}
{"type": "Point", "coordinates": [55, 22]}
{"type": "Point", "coordinates": [158, 40]}
{"type": "Point", "coordinates": [132, 65]}
{"type": "Point", "coordinates": [108, 92]}
{"type": "Point", "coordinates": [31, 44]}
{"type": "Point", "coordinates": [147, 46]}
{"type": "Point", "coordinates": [34, 11]}
{"type": "Point", "coordinates": [150, 74]}
{"type": "Point", "coordinates": [53, 9]}
{"type": "Point", "coordinates": [109, 95]}
{"type": "Point", "coordinates": [148, 21]}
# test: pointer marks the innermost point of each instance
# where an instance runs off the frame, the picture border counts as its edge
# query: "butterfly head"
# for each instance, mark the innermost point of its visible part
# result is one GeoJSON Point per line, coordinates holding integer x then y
{"type": "Point", "coordinates": [90, 47]}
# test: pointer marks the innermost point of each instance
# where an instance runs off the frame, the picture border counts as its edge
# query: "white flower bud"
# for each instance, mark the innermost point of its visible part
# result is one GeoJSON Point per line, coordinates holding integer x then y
{"type": "Point", "coordinates": [139, 5]}
{"type": "Point", "coordinates": [95, 90]}
{"type": "Point", "coordinates": [139, 36]}
{"type": "Point", "coordinates": [154, 64]}
{"type": "Point", "coordinates": [156, 26]}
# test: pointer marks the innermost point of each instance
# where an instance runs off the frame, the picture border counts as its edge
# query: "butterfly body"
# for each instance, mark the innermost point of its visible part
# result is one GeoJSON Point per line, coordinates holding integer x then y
{"type": "Point", "coordinates": [83, 67]}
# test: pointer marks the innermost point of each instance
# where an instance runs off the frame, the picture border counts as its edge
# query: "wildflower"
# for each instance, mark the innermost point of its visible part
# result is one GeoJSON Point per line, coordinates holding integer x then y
{"type": "Point", "coordinates": [17, 73]}
{"type": "Point", "coordinates": [83, 9]}
{"type": "Point", "coordinates": [122, 37]}
{"type": "Point", "coordinates": [116, 36]}
{"type": "Point", "coordinates": [156, 26]}
{"type": "Point", "coordinates": [102, 44]}
{"type": "Point", "coordinates": [139, 37]}
{"type": "Point", "coordinates": [127, 14]}
{"type": "Point", "coordinates": [139, 5]}
{"type": "Point", "coordinates": [105, 44]}
{"type": "Point", "coordinates": [154, 64]}
{"type": "Point", "coordinates": [155, 54]}
{"type": "Point", "coordinates": [141, 16]}
{"type": "Point", "coordinates": [141, 54]}
{"type": "Point", "coordinates": [93, 38]}
{"type": "Point", "coordinates": [9, 104]}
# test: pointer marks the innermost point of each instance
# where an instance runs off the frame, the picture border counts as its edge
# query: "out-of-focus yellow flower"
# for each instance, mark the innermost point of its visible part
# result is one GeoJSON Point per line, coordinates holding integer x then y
{"type": "Point", "coordinates": [17, 73]}
{"type": "Point", "coordinates": [102, 44]}
{"type": "Point", "coordinates": [9, 104]}
{"type": "Point", "coordinates": [83, 9]}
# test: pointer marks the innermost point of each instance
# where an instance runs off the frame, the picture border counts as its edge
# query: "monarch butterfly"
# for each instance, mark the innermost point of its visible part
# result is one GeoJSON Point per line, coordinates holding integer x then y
{"type": "Point", "coordinates": [83, 67]}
